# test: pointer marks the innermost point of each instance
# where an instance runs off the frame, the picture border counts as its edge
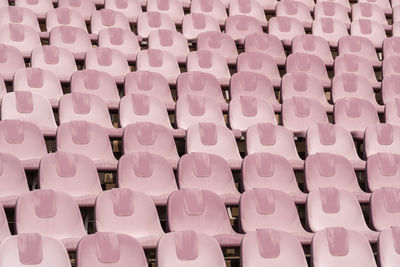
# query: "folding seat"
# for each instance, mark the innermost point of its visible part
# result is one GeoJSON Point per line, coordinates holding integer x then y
{"type": "Point", "coordinates": [333, 10]}
{"type": "Point", "coordinates": [250, 8]}
{"type": "Point", "coordinates": [33, 249]}
{"type": "Point", "coordinates": [65, 17]}
{"type": "Point", "coordinates": [312, 44]}
{"type": "Point", "coordinates": [384, 206]}
{"type": "Point", "coordinates": [350, 63]}
{"type": "Point", "coordinates": [390, 88]}
{"type": "Point", "coordinates": [151, 84]}
{"type": "Point", "coordinates": [18, 15]}
{"type": "Point", "coordinates": [267, 44]}
{"type": "Point", "coordinates": [203, 212]}
{"type": "Point", "coordinates": [344, 3]}
{"type": "Point", "coordinates": [23, 37]}
{"type": "Point", "coordinates": [84, 7]}
{"type": "Point", "coordinates": [335, 246]}
{"type": "Point", "coordinates": [215, 9]}
{"type": "Point", "coordinates": [259, 63]}
{"type": "Point", "coordinates": [352, 85]}
{"type": "Point", "coordinates": [369, 11]}
{"type": "Point", "coordinates": [246, 83]}
{"type": "Point", "coordinates": [332, 170]}
{"type": "Point", "coordinates": [152, 138]}
{"type": "Point", "coordinates": [240, 26]}
{"type": "Point", "coordinates": [80, 106]}
{"type": "Point", "coordinates": [269, 247]}
{"type": "Point", "coordinates": [148, 173]}
{"type": "Point", "coordinates": [120, 39]}
{"type": "Point", "coordinates": [330, 29]}
{"type": "Point", "coordinates": [208, 172]}
{"type": "Point", "coordinates": [108, 60]}
{"type": "Point", "coordinates": [89, 139]}
{"type": "Point", "coordinates": [159, 61]}
{"type": "Point", "coordinates": [245, 111]}
{"type": "Point", "coordinates": [50, 213]}
{"type": "Point", "coordinates": [188, 248]}
{"type": "Point", "coordinates": [107, 18]}
{"type": "Point", "coordinates": [332, 207]}
{"type": "Point", "coordinates": [39, 7]}
{"type": "Point", "coordinates": [275, 139]}
{"type": "Point", "coordinates": [311, 64]}
{"type": "Point", "coordinates": [392, 112]}
{"type": "Point", "coordinates": [170, 41]}
{"type": "Point", "coordinates": [285, 28]}
{"type": "Point", "coordinates": [214, 139]}
{"type": "Point", "coordinates": [381, 138]}
{"type": "Point", "coordinates": [382, 170]}
{"type": "Point", "coordinates": [388, 254]}
{"type": "Point", "coordinates": [58, 60]}
{"type": "Point", "coordinates": [265, 170]}
{"type": "Point", "coordinates": [130, 8]}
{"type": "Point", "coordinates": [201, 83]}
{"type": "Point", "coordinates": [172, 8]}
{"type": "Point", "coordinates": [372, 30]}
{"type": "Point", "coordinates": [263, 208]}
{"type": "Point", "coordinates": [359, 46]}
{"type": "Point", "coordinates": [391, 66]}
{"type": "Point", "coordinates": [383, 4]}
{"type": "Point", "coordinates": [391, 47]}
{"type": "Point", "coordinates": [295, 9]}
{"type": "Point", "coordinates": [75, 40]}
{"type": "Point", "coordinates": [152, 21]}
{"type": "Point", "coordinates": [124, 211]}
{"type": "Point", "coordinates": [220, 43]}
{"type": "Point", "coordinates": [196, 23]}
{"type": "Point", "coordinates": [209, 62]}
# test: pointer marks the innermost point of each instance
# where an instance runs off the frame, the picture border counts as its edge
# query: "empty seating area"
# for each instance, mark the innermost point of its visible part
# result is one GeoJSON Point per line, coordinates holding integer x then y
{"type": "Point", "coordinates": [199, 133]}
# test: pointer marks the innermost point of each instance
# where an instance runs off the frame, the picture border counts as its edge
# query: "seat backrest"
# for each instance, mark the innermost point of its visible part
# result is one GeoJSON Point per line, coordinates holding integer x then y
{"type": "Point", "coordinates": [385, 212]}
{"type": "Point", "coordinates": [383, 170]}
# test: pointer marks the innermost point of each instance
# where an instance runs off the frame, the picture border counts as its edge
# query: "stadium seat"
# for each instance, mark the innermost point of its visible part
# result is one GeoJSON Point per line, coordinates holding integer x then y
{"type": "Point", "coordinates": [382, 170]}
{"type": "Point", "coordinates": [381, 138]}
{"type": "Point", "coordinates": [333, 10]}
{"type": "Point", "coordinates": [215, 9]}
{"type": "Point", "coordinates": [372, 30]}
{"type": "Point", "coordinates": [391, 47]}
{"type": "Point", "coordinates": [220, 43]}
{"type": "Point", "coordinates": [75, 40]}
{"type": "Point", "coordinates": [172, 42]}
{"type": "Point", "coordinates": [390, 66]}
{"type": "Point", "coordinates": [23, 37]}
{"type": "Point", "coordinates": [83, 7]}
{"type": "Point", "coordinates": [390, 88]}
{"type": "Point", "coordinates": [267, 44]}
{"type": "Point", "coordinates": [130, 8]}
{"type": "Point", "coordinates": [151, 21]}
{"type": "Point", "coordinates": [383, 4]}
{"type": "Point", "coordinates": [39, 7]}
{"type": "Point", "coordinates": [285, 28]}
{"type": "Point", "coordinates": [196, 23]}
{"type": "Point", "coordinates": [107, 18]}
{"type": "Point", "coordinates": [330, 29]}
{"type": "Point", "coordinates": [392, 112]}
{"type": "Point", "coordinates": [120, 39]}
{"type": "Point", "coordinates": [172, 8]}
{"type": "Point", "coordinates": [385, 212]}
{"type": "Point", "coordinates": [388, 254]}
{"type": "Point", "coordinates": [65, 17]}
{"type": "Point", "coordinates": [240, 26]}
{"type": "Point", "coordinates": [294, 9]}
{"type": "Point", "coordinates": [314, 45]}
{"type": "Point", "coordinates": [344, 3]}
{"type": "Point", "coordinates": [19, 15]}
{"type": "Point", "coordinates": [369, 11]}
{"type": "Point", "coordinates": [251, 8]}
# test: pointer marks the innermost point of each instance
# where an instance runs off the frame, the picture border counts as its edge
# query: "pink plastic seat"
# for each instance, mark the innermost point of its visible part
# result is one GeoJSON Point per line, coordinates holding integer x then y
{"type": "Point", "coordinates": [344, 3]}
{"type": "Point", "coordinates": [23, 37]}
{"type": "Point", "coordinates": [208, 172]}
{"type": "Point", "coordinates": [39, 7]}
{"type": "Point", "coordinates": [19, 15]}
{"type": "Point", "coordinates": [328, 138]}
{"type": "Point", "coordinates": [38, 209]}
{"type": "Point", "coordinates": [209, 62]}
{"type": "Point", "coordinates": [79, 106]}
{"type": "Point", "coordinates": [332, 170]}
{"type": "Point", "coordinates": [381, 138]}
{"type": "Point", "coordinates": [24, 140]}
{"type": "Point", "coordinates": [130, 8]}
{"type": "Point", "coordinates": [312, 44]}
{"type": "Point", "coordinates": [124, 211]}
{"type": "Point", "coordinates": [152, 138]}
{"type": "Point", "coordinates": [149, 83]}
{"type": "Point", "coordinates": [388, 248]}
{"type": "Point", "coordinates": [391, 66]}
{"type": "Point", "coordinates": [360, 46]}
{"type": "Point", "coordinates": [188, 248]}
{"type": "Point", "coordinates": [102, 249]}
{"type": "Point", "coordinates": [202, 84]}
{"type": "Point", "coordinates": [170, 41]}
{"type": "Point", "coordinates": [355, 115]}
{"type": "Point", "coordinates": [251, 8]}
{"type": "Point", "coordinates": [353, 85]}
{"type": "Point", "coordinates": [330, 29]}
{"type": "Point", "coordinates": [240, 26]}
{"type": "Point", "coordinates": [275, 139]}
{"type": "Point", "coordinates": [65, 17]}
{"type": "Point", "coordinates": [98, 83]}
{"type": "Point", "coordinates": [196, 23]}
{"type": "Point", "coordinates": [390, 88]}
{"type": "Point", "coordinates": [350, 63]}
{"type": "Point", "coordinates": [214, 139]}
{"type": "Point", "coordinates": [220, 43]}
{"type": "Point", "coordinates": [107, 18]}
{"type": "Point", "coordinates": [120, 39]}
{"type": "Point", "coordinates": [336, 246]}
{"type": "Point", "coordinates": [384, 207]}
{"type": "Point", "coordinates": [107, 60]}
{"type": "Point", "coordinates": [331, 207]}
{"type": "Point", "coordinates": [265, 170]}
{"type": "Point", "coordinates": [203, 212]}
{"type": "Point", "coordinates": [215, 9]}
{"type": "Point", "coordinates": [263, 208]}
{"type": "Point", "coordinates": [300, 113]}
{"type": "Point", "coordinates": [84, 7]}
{"type": "Point", "coordinates": [11, 60]}
{"type": "Point", "coordinates": [383, 4]}
{"type": "Point", "coordinates": [285, 28]}
{"type": "Point", "coordinates": [391, 47]}
{"type": "Point", "coordinates": [58, 60]}
{"type": "Point", "coordinates": [152, 21]}
{"type": "Point", "coordinates": [28, 106]}
{"type": "Point", "coordinates": [267, 44]}
{"type": "Point", "coordinates": [72, 174]}
{"type": "Point", "coordinates": [392, 112]}
{"type": "Point", "coordinates": [295, 9]}
{"type": "Point", "coordinates": [172, 8]}
{"type": "Point", "coordinates": [89, 139]}
{"type": "Point", "coordinates": [73, 39]}
{"type": "Point", "coordinates": [333, 10]}
{"type": "Point", "coordinates": [301, 84]}
{"type": "Point", "coordinates": [159, 61]}
{"type": "Point", "coordinates": [372, 30]}
{"type": "Point", "coordinates": [369, 11]}
{"type": "Point", "coordinates": [147, 173]}
{"type": "Point", "coordinates": [383, 170]}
